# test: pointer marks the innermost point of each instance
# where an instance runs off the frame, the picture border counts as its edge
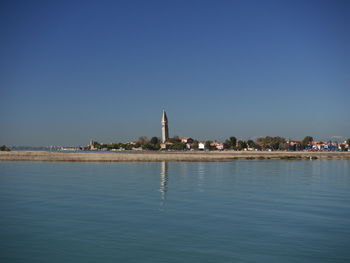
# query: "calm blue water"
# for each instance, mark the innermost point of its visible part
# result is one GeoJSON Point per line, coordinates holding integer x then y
{"type": "Point", "coordinates": [241, 211]}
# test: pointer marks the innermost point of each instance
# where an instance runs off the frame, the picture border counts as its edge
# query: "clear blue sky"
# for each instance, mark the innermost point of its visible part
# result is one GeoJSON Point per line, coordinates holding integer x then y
{"type": "Point", "coordinates": [75, 70]}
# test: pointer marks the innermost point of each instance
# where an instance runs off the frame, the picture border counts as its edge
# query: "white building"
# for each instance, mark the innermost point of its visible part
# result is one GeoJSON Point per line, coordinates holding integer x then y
{"type": "Point", "coordinates": [201, 146]}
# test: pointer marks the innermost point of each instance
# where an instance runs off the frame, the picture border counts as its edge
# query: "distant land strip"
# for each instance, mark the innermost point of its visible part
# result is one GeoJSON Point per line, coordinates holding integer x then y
{"type": "Point", "coordinates": [168, 156]}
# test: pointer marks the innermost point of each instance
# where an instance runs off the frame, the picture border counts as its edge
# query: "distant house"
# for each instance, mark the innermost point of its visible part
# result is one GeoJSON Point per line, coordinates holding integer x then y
{"type": "Point", "coordinates": [186, 140]}
{"type": "Point", "coordinates": [217, 145]}
{"type": "Point", "coordinates": [292, 145]}
{"type": "Point", "coordinates": [201, 146]}
{"type": "Point", "coordinates": [183, 139]}
{"type": "Point", "coordinates": [166, 145]}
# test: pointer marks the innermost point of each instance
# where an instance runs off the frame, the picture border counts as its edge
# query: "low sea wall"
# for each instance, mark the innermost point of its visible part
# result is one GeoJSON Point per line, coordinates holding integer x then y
{"type": "Point", "coordinates": [147, 156]}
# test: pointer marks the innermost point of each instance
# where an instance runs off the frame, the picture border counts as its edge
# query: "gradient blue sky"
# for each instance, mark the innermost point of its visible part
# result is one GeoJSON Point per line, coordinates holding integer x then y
{"type": "Point", "coordinates": [71, 71]}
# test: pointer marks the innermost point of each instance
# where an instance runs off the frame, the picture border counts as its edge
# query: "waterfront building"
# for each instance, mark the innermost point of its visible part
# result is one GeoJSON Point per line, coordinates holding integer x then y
{"type": "Point", "coordinates": [217, 145]}
{"type": "Point", "coordinates": [186, 140]}
{"type": "Point", "coordinates": [201, 146]}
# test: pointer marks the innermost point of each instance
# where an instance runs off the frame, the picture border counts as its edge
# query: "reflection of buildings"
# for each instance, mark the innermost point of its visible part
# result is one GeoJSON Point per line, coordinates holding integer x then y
{"type": "Point", "coordinates": [163, 179]}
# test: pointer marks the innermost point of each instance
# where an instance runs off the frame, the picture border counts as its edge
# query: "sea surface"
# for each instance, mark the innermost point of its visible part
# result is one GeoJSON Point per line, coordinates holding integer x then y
{"type": "Point", "coordinates": [239, 211]}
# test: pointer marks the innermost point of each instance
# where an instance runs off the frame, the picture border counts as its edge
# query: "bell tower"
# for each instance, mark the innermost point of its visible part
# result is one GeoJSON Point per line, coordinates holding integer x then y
{"type": "Point", "coordinates": [165, 131]}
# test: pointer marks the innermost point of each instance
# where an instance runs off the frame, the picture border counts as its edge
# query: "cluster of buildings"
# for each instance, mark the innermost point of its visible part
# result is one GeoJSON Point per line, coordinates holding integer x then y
{"type": "Point", "coordinates": [292, 145]}
{"type": "Point", "coordinates": [319, 146]}
{"type": "Point", "coordinates": [189, 143]}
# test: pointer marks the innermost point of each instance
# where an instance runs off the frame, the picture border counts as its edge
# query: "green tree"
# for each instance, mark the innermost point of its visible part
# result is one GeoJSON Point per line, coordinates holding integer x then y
{"type": "Point", "coordinates": [251, 144]}
{"type": "Point", "coordinates": [274, 143]}
{"type": "Point", "coordinates": [154, 140]}
{"type": "Point", "coordinates": [148, 146]}
{"type": "Point", "coordinates": [142, 140]}
{"type": "Point", "coordinates": [128, 146]}
{"type": "Point", "coordinates": [207, 145]}
{"type": "Point", "coordinates": [4, 148]}
{"type": "Point", "coordinates": [233, 141]}
{"type": "Point", "coordinates": [282, 146]}
{"type": "Point", "coordinates": [177, 146]}
{"type": "Point", "coordinates": [348, 142]}
{"type": "Point", "coordinates": [97, 145]}
{"type": "Point", "coordinates": [307, 140]}
{"type": "Point", "coordinates": [227, 144]}
{"type": "Point", "coordinates": [300, 147]}
{"type": "Point", "coordinates": [175, 139]}
{"type": "Point", "coordinates": [241, 145]}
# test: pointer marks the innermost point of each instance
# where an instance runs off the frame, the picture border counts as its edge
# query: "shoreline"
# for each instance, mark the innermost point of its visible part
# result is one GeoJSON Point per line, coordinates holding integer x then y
{"type": "Point", "coordinates": [147, 156]}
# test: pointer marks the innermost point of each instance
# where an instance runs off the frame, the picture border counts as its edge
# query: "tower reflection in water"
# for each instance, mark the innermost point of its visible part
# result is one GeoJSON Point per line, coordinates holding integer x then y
{"type": "Point", "coordinates": [163, 180]}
